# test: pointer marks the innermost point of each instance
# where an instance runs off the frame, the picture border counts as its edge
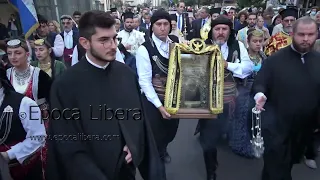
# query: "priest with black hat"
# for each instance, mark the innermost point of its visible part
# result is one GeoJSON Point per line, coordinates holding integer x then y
{"type": "Point", "coordinates": [152, 67]}
{"type": "Point", "coordinates": [283, 38]}
{"type": "Point", "coordinates": [130, 39]}
{"type": "Point", "coordinates": [215, 12]}
{"type": "Point", "coordinates": [114, 12]}
{"type": "Point", "coordinates": [238, 66]}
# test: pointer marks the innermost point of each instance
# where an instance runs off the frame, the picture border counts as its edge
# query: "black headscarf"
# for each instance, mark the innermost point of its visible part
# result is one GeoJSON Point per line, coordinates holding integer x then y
{"type": "Point", "coordinates": [4, 80]}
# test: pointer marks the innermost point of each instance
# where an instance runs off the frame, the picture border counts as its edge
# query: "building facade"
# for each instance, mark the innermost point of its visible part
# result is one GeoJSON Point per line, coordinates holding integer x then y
{"type": "Point", "coordinates": [54, 9]}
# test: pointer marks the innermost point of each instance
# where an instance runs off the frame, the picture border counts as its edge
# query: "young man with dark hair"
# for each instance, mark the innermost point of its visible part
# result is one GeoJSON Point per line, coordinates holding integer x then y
{"type": "Point", "coordinates": [55, 40]}
{"type": "Point", "coordinates": [115, 137]}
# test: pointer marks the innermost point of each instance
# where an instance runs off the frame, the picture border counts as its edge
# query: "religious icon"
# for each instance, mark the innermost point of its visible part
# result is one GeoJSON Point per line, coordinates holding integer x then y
{"type": "Point", "coordinates": [194, 86]}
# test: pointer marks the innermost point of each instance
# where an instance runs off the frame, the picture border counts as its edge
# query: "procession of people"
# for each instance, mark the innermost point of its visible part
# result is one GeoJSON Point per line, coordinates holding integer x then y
{"type": "Point", "coordinates": [104, 77]}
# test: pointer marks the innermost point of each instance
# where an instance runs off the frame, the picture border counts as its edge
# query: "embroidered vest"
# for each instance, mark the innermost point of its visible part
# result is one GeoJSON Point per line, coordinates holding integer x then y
{"type": "Point", "coordinates": [159, 66]}
{"type": "Point", "coordinates": [16, 132]}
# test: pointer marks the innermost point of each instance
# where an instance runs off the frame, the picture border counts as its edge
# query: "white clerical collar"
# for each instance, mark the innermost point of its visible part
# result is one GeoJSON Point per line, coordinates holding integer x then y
{"type": "Point", "coordinates": [68, 33]}
{"type": "Point", "coordinates": [96, 65]}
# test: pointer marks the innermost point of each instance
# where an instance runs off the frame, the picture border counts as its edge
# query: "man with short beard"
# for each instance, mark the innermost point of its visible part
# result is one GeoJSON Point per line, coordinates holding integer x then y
{"type": "Point", "coordinates": [112, 142]}
{"type": "Point", "coordinates": [283, 38]}
{"type": "Point", "coordinates": [287, 88]}
{"type": "Point", "coordinates": [130, 39]}
{"type": "Point", "coordinates": [237, 66]}
{"type": "Point", "coordinates": [242, 34]}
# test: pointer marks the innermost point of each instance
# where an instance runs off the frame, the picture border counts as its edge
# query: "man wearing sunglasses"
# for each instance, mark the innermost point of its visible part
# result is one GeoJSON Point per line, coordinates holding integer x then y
{"type": "Point", "coordinates": [70, 38]}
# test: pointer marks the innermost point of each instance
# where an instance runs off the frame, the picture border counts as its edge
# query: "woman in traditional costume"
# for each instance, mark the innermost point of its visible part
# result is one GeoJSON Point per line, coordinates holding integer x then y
{"type": "Point", "coordinates": [45, 61]}
{"type": "Point", "coordinates": [22, 133]}
{"type": "Point", "coordinates": [239, 137]}
{"type": "Point", "coordinates": [28, 80]}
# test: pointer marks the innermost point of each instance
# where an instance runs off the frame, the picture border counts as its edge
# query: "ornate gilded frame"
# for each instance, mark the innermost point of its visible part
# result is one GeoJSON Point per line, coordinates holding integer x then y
{"type": "Point", "coordinates": [175, 79]}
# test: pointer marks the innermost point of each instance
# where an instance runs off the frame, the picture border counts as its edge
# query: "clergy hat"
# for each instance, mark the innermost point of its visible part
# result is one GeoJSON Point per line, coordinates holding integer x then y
{"type": "Point", "coordinates": [289, 12]}
{"type": "Point", "coordinates": [128, 15]}
{"type": "Point", "coordinates": [160, 14]}
{"type": "Point", "coordinates": [113, 9]}
{"type": "Point", "coordinates": [173, 17]}
{"type": "Point", "coordinates": [215, 11]}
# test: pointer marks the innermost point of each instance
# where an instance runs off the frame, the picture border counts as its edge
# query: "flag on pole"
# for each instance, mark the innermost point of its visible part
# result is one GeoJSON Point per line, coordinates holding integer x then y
{"type": "Point", "coordinates": [28, 15]}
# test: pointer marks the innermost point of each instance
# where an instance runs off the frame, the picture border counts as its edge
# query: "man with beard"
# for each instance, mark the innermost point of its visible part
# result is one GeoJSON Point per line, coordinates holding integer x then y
{"type": "Point", "coordinates": [152, 67]}
{"type": "Point", "coordinates": [242, 34]}
{"type": "Point", "coordinates": [130, 39]}
{"type": "Point", "coordinates": [283, 38]}
{"type": "Point", "coordinates": [287, 88]}
{"type": "Point", "coordinates": [237, 67]}
{"type": "Point", "coordinates": [110, 135]}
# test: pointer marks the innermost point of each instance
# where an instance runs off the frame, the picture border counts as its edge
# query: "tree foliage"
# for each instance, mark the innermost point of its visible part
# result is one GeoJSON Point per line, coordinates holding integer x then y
{"type": "Point", "coordinates": [249, 3]}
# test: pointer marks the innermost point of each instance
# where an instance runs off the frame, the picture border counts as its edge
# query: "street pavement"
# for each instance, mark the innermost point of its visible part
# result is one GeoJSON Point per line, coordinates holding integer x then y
{"type": "Point", "coordinates": [188, 164]}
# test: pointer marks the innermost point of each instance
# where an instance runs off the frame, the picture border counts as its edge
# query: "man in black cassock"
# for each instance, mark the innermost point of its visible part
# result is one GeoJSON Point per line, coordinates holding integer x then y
{"type": "Point", "coordinates": [288, 88]}
{"type": "Point", "coordinates": [98, 130]}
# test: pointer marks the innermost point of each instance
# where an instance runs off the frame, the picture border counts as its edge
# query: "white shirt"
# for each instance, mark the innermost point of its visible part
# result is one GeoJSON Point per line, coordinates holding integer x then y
{"type": "Point", "coordinates": [68, 39]}
{"type": "Point", "coordinates": [35, 130]}
{"type": "Point", "coordinates": [75, 56]}
{"type": "Point", "coordinates": [58, 46]}
{"type": "Point", "coordinates": [179, 20]}
{"type": "Point", "coordinates": [240, 69]}
{"type": "Point", "coordinates": [144, 69]}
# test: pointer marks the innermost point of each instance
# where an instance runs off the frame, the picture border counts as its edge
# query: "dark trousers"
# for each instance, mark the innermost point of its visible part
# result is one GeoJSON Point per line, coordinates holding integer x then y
{"type": "Point", "coordinates": [164, 130]}
{"type": "Point", "coordinates": [127, 172]}
{"type": "Point", "coordinates": [211, 130]}
{"type": "Point", "coordinates": [282, 151]}
{"type": "Point", "coordinates": [311, 149]}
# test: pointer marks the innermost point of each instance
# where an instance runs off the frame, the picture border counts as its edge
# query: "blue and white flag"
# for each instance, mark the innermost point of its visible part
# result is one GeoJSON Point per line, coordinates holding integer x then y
{"type": "Point", "coordinates": [28, 15]}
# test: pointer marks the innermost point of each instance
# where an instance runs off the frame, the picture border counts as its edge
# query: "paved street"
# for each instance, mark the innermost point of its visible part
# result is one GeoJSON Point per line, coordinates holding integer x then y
{"type": "Point", "coordinates": [188, 164]}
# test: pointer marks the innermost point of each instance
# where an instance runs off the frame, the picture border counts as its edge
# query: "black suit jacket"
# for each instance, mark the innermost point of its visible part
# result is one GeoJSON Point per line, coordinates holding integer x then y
{"type": "Point", "coordinates": [185, 16]}
{"type": "Point", "coordinates": [142, 29]}
{"type": "Point", "coordinates": [144, 25]}
{"type": "Point", "coordinates": [196, 27]}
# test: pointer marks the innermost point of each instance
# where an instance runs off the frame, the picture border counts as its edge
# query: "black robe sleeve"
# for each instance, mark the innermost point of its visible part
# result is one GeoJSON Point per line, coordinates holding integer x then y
{"type": "Point", "coordinates": [263, 78]}
{"type": "Point", "coordinates": [44, 86]}
{"type": "Point", "coordinates": [67, 159]}
{"type": "Point", "coordinates": [151, 167]}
